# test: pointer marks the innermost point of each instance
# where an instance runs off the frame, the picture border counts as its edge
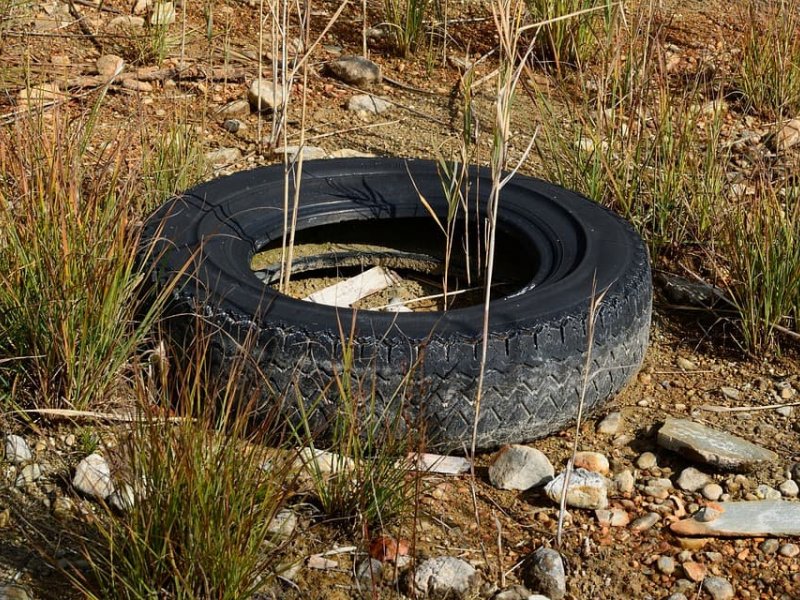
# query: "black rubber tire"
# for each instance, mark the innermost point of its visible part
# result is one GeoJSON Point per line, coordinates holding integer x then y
{"type": "Point", "coordinates": [538, 335]}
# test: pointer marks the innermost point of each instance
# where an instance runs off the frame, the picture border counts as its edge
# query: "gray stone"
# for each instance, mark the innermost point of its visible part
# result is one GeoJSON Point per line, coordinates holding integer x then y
{"type": "Point", "coordinates": [223, 156]}
{"type": "Point", "coordinates": [234, 125]}
{"type": "Point", "coordinates": [718, 588]}
{"type": "Point", "coordinates": [237, 108]}
{"type": "Point", "coordinates": [770, 546]}
{"type": "Point", "coordinates": [766, 492]}
{"type": "Point", "coordinates": [13, 592]}
{"type": "Point", "coordinates": [520, 468]}
{"type": "Point", "coordinates": [17, 449]}
{"type": "Point", "coordinates": [355, 70]}
{"type": "Point", "coordinates": [718, 448]}
{"type": "Point", "coordinates": [283, 524]}
{"type": "Point", "coordinates": [93, 477]}
{"type": "Point", "coordinates": [445, 577]}
{"type": "Point", "coordinates": [586, 489]}
{"type": "Point", "coordinates": [309, 152]}
{"type": "Point", "coordinates": [787, 136]}
{"type": "Point", "coordinates": [109, 65]}
{"type": "Point", "coordinates": [785, 411]}
{"type": "Point", "coordinates": [789, 488]}
{"type": "Point", "coordinates": [730, 393]}
{"type": "Point", "coordinates": [545, 573]}
{"type": "Point", "coordinates": [685, 364]}
{"type": "Point", "coordinates": [759, 518]}
{"type": "Point", "coordinates": [264, 95]}
{"type": "Point", "coordinates": [691, 479]}
{"type": "Point", "coordinates": [611, 424]}
{"type": "Point", "coordinates": [369, 569]}
{"type": "Point", "coordinates": [367, 103]}
{"type": "Point", "coordinates": [29, 474]}
{"type": "Point", "coordinates": [645, 522]}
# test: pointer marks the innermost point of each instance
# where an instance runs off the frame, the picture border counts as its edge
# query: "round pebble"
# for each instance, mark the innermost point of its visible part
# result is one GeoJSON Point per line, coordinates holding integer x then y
{"type": "Point", "coordinates": [789, 488]}
{"type": "Point", "coordinates": [718, 588]}
{"type": "Point", "coordinates": [647, 460]}
{"type": "Point", "coordinates": [770, 546]}
{"type": "Point", "coordinates": [789, 550]}
{"type": "Point", "coordinates": [712, 491]}
{"type": "Point", "coordinates": [666, 564]}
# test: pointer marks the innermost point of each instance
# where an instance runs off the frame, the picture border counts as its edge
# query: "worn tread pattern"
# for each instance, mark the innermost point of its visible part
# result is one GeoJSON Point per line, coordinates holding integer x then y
{"type": "Point", "coordinates": [535, 369]}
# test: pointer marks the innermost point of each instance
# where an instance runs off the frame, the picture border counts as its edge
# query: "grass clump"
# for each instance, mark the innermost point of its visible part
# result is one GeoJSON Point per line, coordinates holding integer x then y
{"type": "Point", "coordinates": [406, 19]}
{"type": "Point", "coordinates": [769, 76]}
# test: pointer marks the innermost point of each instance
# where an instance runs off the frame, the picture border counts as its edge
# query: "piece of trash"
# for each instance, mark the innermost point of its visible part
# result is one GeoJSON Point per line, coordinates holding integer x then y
{"type": "Point", "coordinates": [348, 292]}
{"type": "Point", "coordinates": [438, 463]}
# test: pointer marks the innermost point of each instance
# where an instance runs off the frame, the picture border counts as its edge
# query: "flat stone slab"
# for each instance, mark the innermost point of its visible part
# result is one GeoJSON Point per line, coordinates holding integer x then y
{"type": "Point", "coordinates": [761, 518]}
{"type": "Point", "coordinates": [711, 446]}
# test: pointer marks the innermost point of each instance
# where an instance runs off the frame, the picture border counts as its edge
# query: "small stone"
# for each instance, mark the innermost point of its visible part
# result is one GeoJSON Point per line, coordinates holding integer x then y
{"type": "Point", "coordinates": [309, 152]}
{"type": "Point", "coordinates": [707, 514]}
{"type": "Point", "coordinates": [516, 592]}
{"type": "Point", "coordinates": [685, 364]}
{"type": "Point", "coordinates": [712, 491]}
{"type": "Point", "coordinates": [789, 550]}
{"type": "Point", "coordinates": [122, 499]}
{"type": "Point", "coordinates": [93, 477]}
{"type": "Point", "coordinates": [61, 60]}
{"type": "Point", "coordinates": [126, 22]}
{"type": "Point", "coordinates": [13, 592]}
{"type": "Point", "coordinates": [622, 440]}
{"type": "Point", "coordinates": [718, 588]}
{"type": "Point", "coordinates": [109, 65]}
{"type": "Point", "coordinates": [223, 156]}
{"type": "Point", "coordinates": [787, 136]}
{"type": "Point", "coordinates": [646, 460]}
{"type": "Point", "coordinates": [694, 570]}
{"type": "Point", "coordinates": [645, 522]}
{"type": "Point", "coordinates": [765, 492]}
{"type": "Point", "coordinates": [718, 448]}
{"type": "Point", "coordinates": [237, 108]}
{"type": "Point", "coordinates": [731, 393]}
{"type": "Point", "coordinates": [367, 103]}
{"type": "Point", "coordinates": [263, 95]}
{"type": "Point", "coordinates": [163, 14]}
{"type": "Point", "coordinates": [785, 411]}
{"type": "Point", "coordinates": [789, 488]}
{"type": "Point", "coordinates": [355, 70]}
{"type": "Point", "coordinates": [69, 441]}
{"type": "Point", "coordinates": [445, 577]}
{"type": "Point", "coordinates": [611, 424]}
{"type": "Point", "coordinates": [520, 468]}
{"type": "Point", "coordinates": [676, 596]}
{"type": "Point", "coordinates": [624, 482]}
{"type": "Point", "coordinates": [17, 450]}
{"type": "Point", "coordinates": [29, 474]}
{"type": "Point", "coordinates": [592, 461]}
{"type": "Point", "coordinates": [386, 548]}
{"type": "Point", "coordinates": [545, 573]}
{"type": "Point", "coordinates": [321, 563]}
{"type": "Point", "coordinates": [141, 7]}
{"type": "Point", "coordinates": [666, 565]}
{"type": "Point", "coordinates": [137, 86]}
{"type": "Point", "coordinates": [324, 462]}
{"type": "Point", "coordinates": [692, 543]}
{"type": "Point", "coordinates": [586, 489]}
{"type": "Point", "coordinates": [769, 546]}
{"type": "Point", "coordinates": [692, 479]}
{"type": "Point", "coordinates": [234, 125]}
{"type": "Point", "coordinates": [369, 569]}
{"type": "Point", "coordinates": [350, 153]}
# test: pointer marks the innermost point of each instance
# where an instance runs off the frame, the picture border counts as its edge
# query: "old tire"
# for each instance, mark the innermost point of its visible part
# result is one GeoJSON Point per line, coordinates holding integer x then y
{"type": "Point", "coordinates": [538, 335]}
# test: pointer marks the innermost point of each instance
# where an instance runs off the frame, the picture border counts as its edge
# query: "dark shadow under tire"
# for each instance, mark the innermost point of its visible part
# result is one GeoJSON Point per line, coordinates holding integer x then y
{"type": "Point", "coordinates": [538, 334]}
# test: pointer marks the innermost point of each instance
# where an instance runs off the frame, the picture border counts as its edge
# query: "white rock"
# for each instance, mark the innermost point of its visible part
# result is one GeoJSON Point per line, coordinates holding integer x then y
{"type": "Point", "coordinates": [520, 468]}
{"type": "Point", "coordinates": [28, 474]}
{"type": "Point", "coordinates": [349, 153]}
{"type": "Point", "coordinates": [586, 489]}
{"type": "Point", "coordinates": [324, 462]}
{"type": "Point", "coordinates": [788, 135]}
{"type": "Point", "coordinates": [692, 479]}
{"type": "Point", "coordinates": [283, 524]}
{"type": "Point", "coordinates": [109, 65]}
{"type": "Point", "coordinates": [712, 491]}
{"type": "Point", "coordinates": [610, 424]}
{"type": "Point", "coordinates": [141, 7]}
{"type": "Point", "coordinates": [647, 460]}
{"type": "Point", "coordinates": [368, 104]}
{"type": "Point", "coordinates": [264, 95]}
{"type": "Point", "coordinates": [445, 577]}
{"type": "Point", "coordinates": [718, 588]}
{"type": "Point", "coordinates": [17, 449]}
{"type": "Point", "coordinates": [223, 156]}
{"type": "Point", "coordinates": [123, 498]}
{"type": "Point", "coordinates": [39, 93]}
{"type": "Point", "coordinates": [93, 477]}
{"type": "Point", "coordinates": [309, 152]}
{"type": "Point", "coordinates": [163, 14]}
{"type": "Point", "coordinates": [624, 482]}
{"type": "Point", "coordinates": [126, 22]}
{"type": "Point", "coordinates": [789, 488]}
{"type": "Point", "coordinates": [237, 108]}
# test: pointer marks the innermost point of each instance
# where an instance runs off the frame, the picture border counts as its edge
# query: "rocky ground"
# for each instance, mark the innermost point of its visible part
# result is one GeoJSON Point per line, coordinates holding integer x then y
{"type": "Point", "coordinates": [485, 537]}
